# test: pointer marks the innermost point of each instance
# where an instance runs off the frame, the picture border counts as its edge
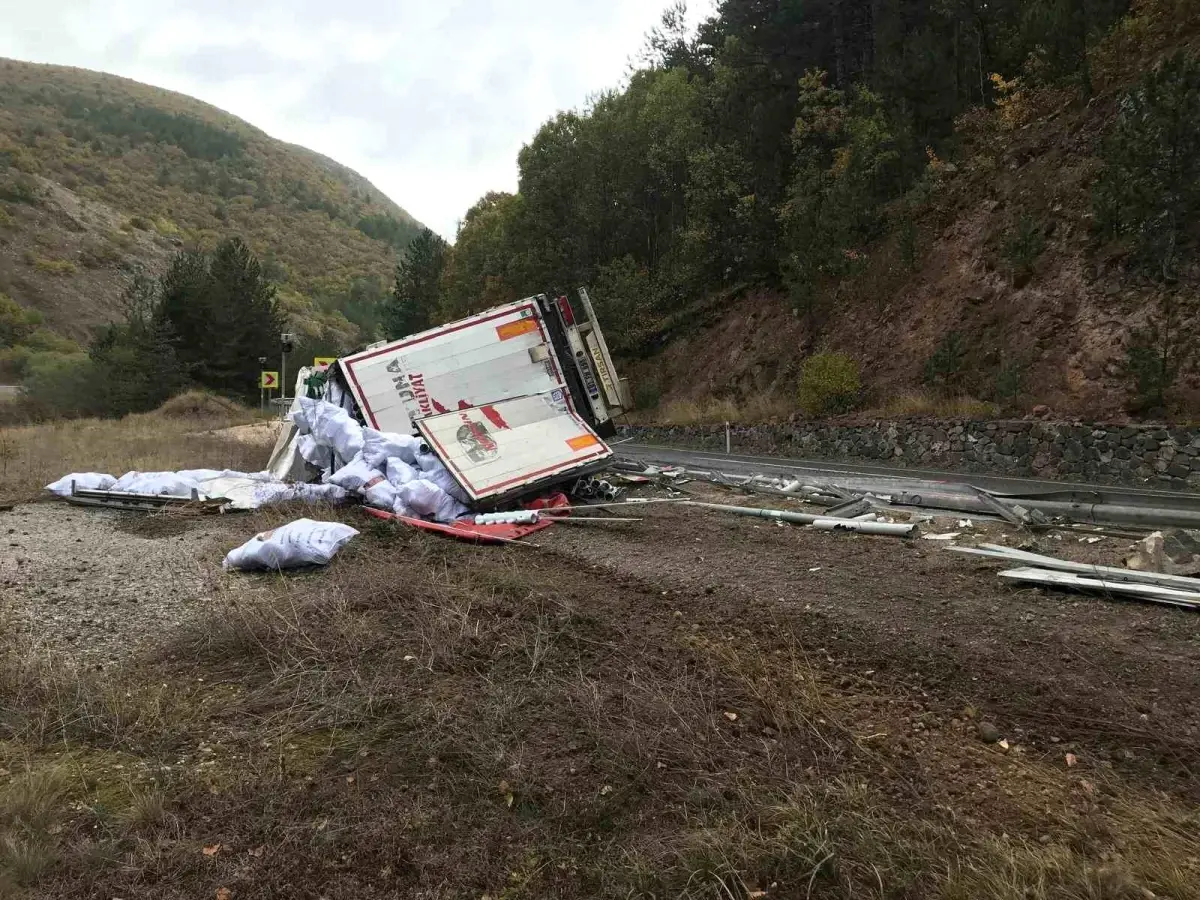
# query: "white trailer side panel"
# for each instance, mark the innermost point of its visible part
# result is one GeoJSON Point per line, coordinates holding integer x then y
{"type": "Point", "coordinates": [497, 355]}
{"type": "Point", "coordinates": [503, 446]}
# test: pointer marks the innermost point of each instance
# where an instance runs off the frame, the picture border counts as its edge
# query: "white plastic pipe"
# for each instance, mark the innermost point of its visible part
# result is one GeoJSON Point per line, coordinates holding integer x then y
{"type": "Point", "coordinates": [519, 517]}
{"type": "Point", "coordinates": [866, 527]}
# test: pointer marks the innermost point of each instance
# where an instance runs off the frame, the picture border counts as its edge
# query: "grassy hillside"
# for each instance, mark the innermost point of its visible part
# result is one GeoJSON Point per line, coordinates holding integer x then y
{"type": "Point", "coordinates": [99, 174]}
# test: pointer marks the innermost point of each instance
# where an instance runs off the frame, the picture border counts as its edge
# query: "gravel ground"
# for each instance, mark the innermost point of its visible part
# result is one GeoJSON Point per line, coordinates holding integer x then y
{"type": "Point", "coordinates": [99, 584]}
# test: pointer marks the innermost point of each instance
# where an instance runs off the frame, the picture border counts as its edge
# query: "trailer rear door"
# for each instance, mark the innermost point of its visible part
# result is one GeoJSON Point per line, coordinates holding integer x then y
{"type": "Point", "coordinates": [509, 445]}
{"type": "Point", "coordinates": [500, 354]}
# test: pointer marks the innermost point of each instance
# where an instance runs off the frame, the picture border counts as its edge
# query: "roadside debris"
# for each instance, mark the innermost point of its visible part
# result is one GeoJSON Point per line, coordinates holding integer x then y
{"type": "Point", "coordinates": [467, 530]}
{"type": "Point", "coordinates": [304, 542]}
{"type": "Point", "coordinates": [820, 523]}
{"type": "Point", "coordinates": [1171, 590]}
{"type": "Point", "coordinates": [1175, 552]}
{"type": "Point", "coordinates": [1153, 593]}
{"type": "Point", "coordinates": [1106, 507]}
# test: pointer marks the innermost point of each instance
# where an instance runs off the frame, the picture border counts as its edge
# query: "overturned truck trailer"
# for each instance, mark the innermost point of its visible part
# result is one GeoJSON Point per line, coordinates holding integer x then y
{"type": "Point", "coordinates": [513, 400]}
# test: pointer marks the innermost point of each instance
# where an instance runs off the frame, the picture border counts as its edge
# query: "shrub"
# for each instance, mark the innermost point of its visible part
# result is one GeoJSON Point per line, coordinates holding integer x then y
{"type": "Point", "coordinates": [63, 385]}
{"type": "Point", "coordinates": [43, 340]}
{"type": "Point", "coordinates": [646, 394]}
{"type": "Point", "coordinates": [1160, 352]}
{"type": "Point", "coordinates": [202, 405]}
{"type": "Point", "coordinates": [829, 384]}
{"type": "Point", "coordinates": [16, 322]}
{"type": "Point", "coordinates": [20, 188]}
{"type": "Point", "coordinates": [60, 268]}
{"type": "Point", "coordinates": [944, 368]}
{"type": "Point", "coordinates": [99, 255]}
{"type": "Point", "coordinates": [14, 362]}
{"type": "Point", "coordinates": [1023, 244]}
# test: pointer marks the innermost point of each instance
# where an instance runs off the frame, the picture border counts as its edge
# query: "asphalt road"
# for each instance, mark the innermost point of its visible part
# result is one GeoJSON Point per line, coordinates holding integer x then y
{"type": "Point", "coordinates": [830, 472]}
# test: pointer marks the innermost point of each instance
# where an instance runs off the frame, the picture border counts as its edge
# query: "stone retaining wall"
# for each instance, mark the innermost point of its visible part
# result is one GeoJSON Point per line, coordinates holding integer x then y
{"type": "Point", "coordinates": [1149, 456]}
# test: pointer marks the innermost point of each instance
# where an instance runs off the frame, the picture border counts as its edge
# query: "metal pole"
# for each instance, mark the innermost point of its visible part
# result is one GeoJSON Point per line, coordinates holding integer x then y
{"type": "Point", "coordinates": [781, 515]}
{"type": "Point", "coordinates": [866, 527]}
{"type": "Point", "coordinates": [282, 376]}
{"type": "Point", "coordinates": [728, 441]}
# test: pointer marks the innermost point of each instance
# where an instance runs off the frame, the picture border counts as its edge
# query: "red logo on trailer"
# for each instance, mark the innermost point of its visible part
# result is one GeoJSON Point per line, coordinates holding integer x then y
{"type": "Point", "coordinates": [475, 438]}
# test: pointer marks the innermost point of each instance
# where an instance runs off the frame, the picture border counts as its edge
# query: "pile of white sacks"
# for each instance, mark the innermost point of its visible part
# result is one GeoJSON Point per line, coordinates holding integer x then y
{"type": "Point", "coordinates": [244, 490]}
{"type": "Point", "coordinates": [389, 471]}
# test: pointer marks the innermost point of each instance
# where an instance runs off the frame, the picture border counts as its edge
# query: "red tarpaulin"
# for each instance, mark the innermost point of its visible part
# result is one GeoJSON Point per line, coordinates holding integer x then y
{"type": "Point", "coordinates": [466, 529]}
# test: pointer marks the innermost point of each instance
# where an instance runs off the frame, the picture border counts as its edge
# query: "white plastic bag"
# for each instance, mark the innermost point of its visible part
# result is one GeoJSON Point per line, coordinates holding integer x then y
{"type": "Point", "coordinates": [441, 476]}
{"type": "Point", "coordinates": [313, 453]}
{"type": "Point", "coordinates": [378, 446]}
{"type": "Point", "coordinates": [85, 481]}
{"type": "Point", "coordinates": [321, 493]}
{"type": "Point", "coordinates": [331, 426]}
{"type": "Point", "coordinates": [428, 500]}
{"type": "Point", "coordinates": [400, 473]}
{"type": "Point", "coordinates": [354, 475]}
{"type": "Point", "coordinates": [205, 474]}
{"type": "Point", "coordinates": [380, 494]}
{"type": "Point", "coordinates": [300, 543]}
{"type": "Point", "coordinates": [168, 483]}
{"type": "Point", "coordinates": [427, 461]}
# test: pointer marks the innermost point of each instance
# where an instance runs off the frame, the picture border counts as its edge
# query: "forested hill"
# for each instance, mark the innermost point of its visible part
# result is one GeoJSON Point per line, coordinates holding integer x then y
{"type": "Point", "coordinates": [100, 175]}
{"type": "Point", "coordinates": [987, 201]}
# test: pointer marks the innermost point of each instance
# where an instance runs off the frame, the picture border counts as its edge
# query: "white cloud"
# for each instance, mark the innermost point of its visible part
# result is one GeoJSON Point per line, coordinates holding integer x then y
{"type": "Point", "coordinates": [430, 101]}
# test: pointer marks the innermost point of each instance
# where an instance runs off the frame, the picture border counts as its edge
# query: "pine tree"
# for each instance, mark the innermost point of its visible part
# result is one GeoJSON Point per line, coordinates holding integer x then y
{"type": "Point", "coordinates": [414, 299]}
{"type": "Point", "coordinates": [221, 315]}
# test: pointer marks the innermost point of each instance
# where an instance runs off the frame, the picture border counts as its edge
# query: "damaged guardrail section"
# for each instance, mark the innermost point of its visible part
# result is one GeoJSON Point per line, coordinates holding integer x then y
{"type": "Point", "coordinates": [1150, 455]}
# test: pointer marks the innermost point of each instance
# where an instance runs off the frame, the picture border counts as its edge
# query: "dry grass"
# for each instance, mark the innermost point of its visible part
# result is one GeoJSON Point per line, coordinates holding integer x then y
{"type": "Point", "coordinates": [774, 408]}
{"type": "Point", "coordinates": [915, 403]}
{"type": "Point", "coordinates": [712, 411]}
{"type": "Point", "coordinates": [32, 456]}
{"type": "Point", "coordinates": [204, 407]}
{"type": "Point", "coordinates": [427, 719]}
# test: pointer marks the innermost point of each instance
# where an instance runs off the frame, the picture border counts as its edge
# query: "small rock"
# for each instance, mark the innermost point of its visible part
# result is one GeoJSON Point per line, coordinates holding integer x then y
{"type": "Point", "coordinates": [988, 733]}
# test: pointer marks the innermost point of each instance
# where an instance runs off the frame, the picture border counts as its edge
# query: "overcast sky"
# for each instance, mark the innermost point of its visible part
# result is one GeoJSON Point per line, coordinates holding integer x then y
{"type": "Point", "coordinates": [429, 100]}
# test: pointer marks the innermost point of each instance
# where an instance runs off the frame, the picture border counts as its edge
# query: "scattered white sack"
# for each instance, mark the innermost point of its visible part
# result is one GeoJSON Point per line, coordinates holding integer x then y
{"type": "Point", "coordinates": [399, 472]}
{"type": "Point", "coordinates": [300, 543]}
{"type": "Point", "coordinates": [426, 499]}
{"type": "Point", "coordinates": [433, 469]}
{"type": "Point", "coordinates": [427, 461]}
{"type": "Point", "coordinates": [85, 481]}
{"type": "Point", "coordinates": [354, 475]}
{"type": "Point", "coordinates": [333, 427]}
{"type": "Point", "coordinates": [202, 474]}
{"type": "Point", "coordinates": [313, 453]}
{"type": "Point", "coordinates": [300, 416]}
{"type": "Point", "coordinates": [168, 483]}
{"type": "Point", "coordinates": [270, 494]}
{"type": "Point", "coordinates": [321, 493]}
{"type": "Point", "coordinates": [441, 476]}
{"type": "Point", "coordinates": [380, 494]}
{"type": "Point", "coordinates": [379, 446]}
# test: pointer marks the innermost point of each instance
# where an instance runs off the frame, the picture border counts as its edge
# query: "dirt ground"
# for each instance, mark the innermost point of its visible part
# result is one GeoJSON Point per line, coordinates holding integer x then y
{"type": "Point", "coordinates": [692, 705]}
